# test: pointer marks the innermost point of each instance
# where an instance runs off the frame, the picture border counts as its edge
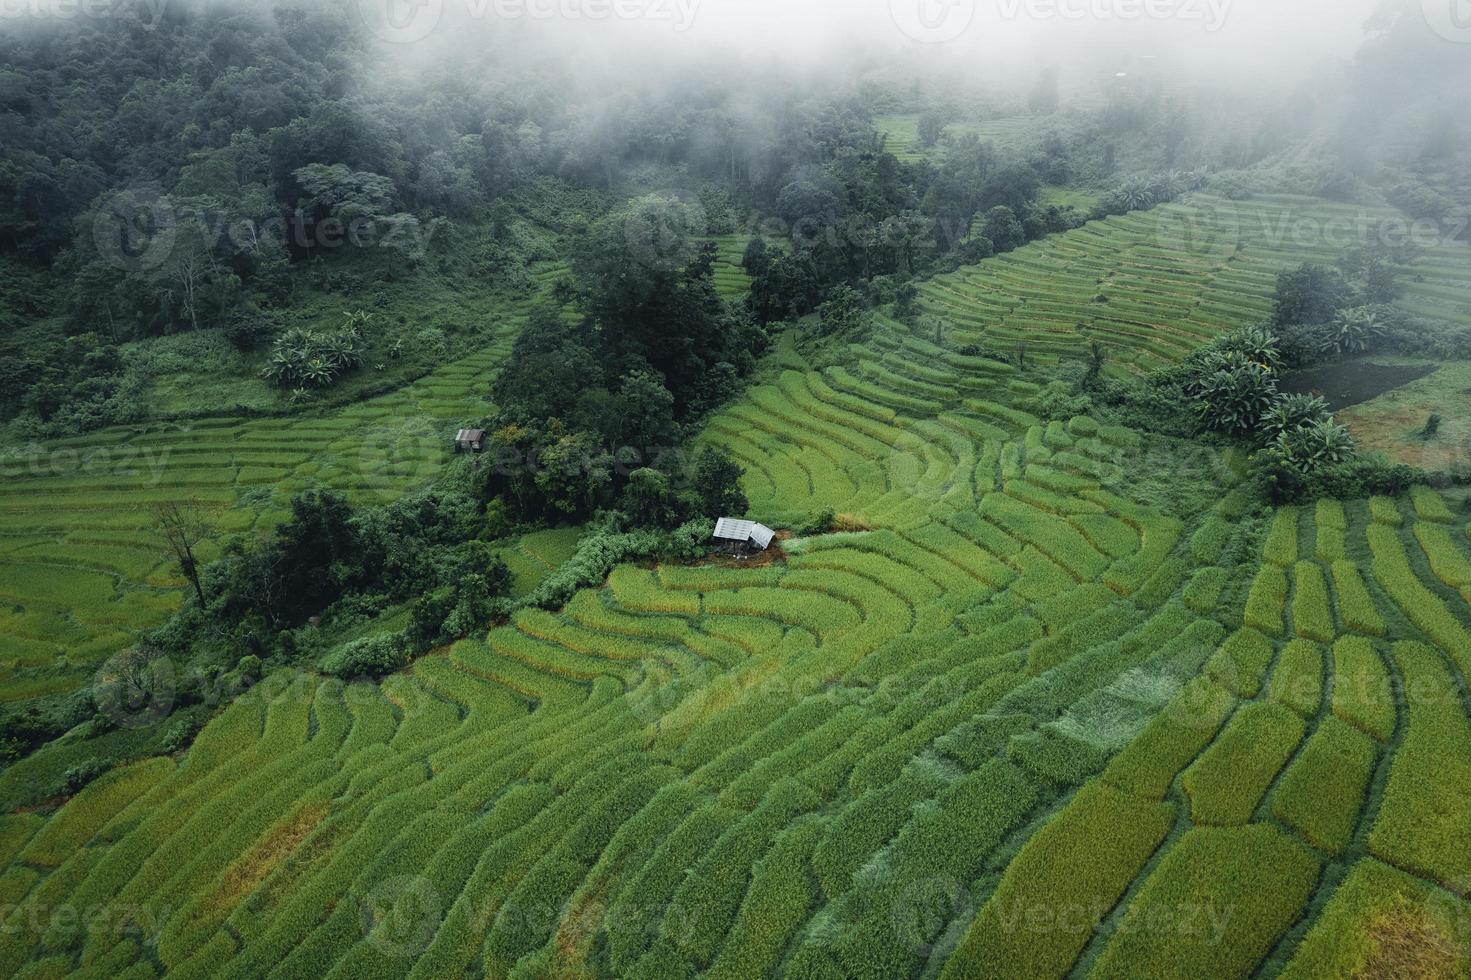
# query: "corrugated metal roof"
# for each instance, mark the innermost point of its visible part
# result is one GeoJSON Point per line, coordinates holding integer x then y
{"type": "Point", "coordinates": [732, 529]}
{"type": "Point", "coordinates": [761, 535]}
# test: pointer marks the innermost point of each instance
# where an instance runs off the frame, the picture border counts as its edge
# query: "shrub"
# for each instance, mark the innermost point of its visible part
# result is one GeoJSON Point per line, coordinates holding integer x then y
{"type": "Point", "coordinates": [370, 656]}
{"type": "Point", "coordinates": [1323, 790]}
{"type": "Point", "coordinates": [313, 359]}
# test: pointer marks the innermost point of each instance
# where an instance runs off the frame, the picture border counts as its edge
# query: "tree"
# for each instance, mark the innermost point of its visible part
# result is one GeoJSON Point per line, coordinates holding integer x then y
{"type": "Point", "coordinates": [843, 315]}
{"type": "Point", "coordinates": [930, 128]}
{"type": "Point", "coordinates": [1234, 394]}
{"type": "Point", "coordinates": [716, 485]}
{"type": "Point", "coordinates": [649, 500]}
{"type": "Point", "coordinates": [644, 412]}
{"type": "Point", "coordinates": [182, 530]}
{"type": "Point", "coordinates": [1309, 294]}
{"type": "Point", "coordinates": [1043, 99]}
{"type": "Point", "coordinates": [1003, 229]}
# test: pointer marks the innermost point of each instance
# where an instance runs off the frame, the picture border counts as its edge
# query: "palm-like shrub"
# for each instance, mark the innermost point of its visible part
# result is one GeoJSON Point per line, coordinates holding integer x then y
{"type": "Point", "coordinates": [1354, 331]}
{"type": "Point", "coordinates": [1315, 446]}
{"type": "Point", "coordinates": [1290, 412]}
{"type": "Point", "coordinates": [313, 359]}
{"type": "Point", "coordinates": [1234, 393]}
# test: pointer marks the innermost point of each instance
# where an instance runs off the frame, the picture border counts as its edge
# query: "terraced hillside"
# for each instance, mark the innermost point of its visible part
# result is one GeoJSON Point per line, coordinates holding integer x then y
{"type": "Point", "coordinates": [1035, 722]}
{"type": "Point", "coordinates": [1153, 285]}
{"type": "Point", "coordinates": [901, 133]}
{"type": "Point", "coordinates": [81, 568]}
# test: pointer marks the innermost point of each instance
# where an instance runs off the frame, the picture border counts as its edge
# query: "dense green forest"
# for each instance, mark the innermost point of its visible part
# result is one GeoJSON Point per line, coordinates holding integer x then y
{"type": "Point", "coordinates": [1112, 415]}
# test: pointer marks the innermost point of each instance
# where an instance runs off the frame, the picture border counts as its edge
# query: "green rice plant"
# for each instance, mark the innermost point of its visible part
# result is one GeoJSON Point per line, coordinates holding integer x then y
{"type": "Point", "coordinates": [709, 899]}
{"type": "Point", "coordinates": [1356, 608]}
{"type": "Point", "coordinates": [1331, 544]}
{"type": "Point", "coordinates": [1430, 506]}
{"type": "Point", "coordinates": [885, 924]}
{"type": "Point", "coordinates": [775, 906]}
{"type": "Point", "coordinates": [1422, 607]}
{"type": "Point", "coordinates": [1108, 534]}
{"type": "Point", "coordinates": [1331, 515]}
{"type": "Point", "coordinates": [1363, 695]}
{"type": "Point", "coordinates": [862, 827]}
{"type": "Point", "coordinates": [1427, 803]}
{"type": "Point", "coordinates": [1210, 539]}
{"type": "Point", "coordinates": [1358, 933]}
{"type": "Point", "coordinates": [1322, 792]}
{"type": "Point", "coordinates": [1297, 681]}
{"type": "Point", "coordinates": [1056, 890]}
{"type": "Point", "coordinates": [1083, 426]}
{"type": "Point", "coordinates": [1203, 594]}
{"type": "Point", "coordinates": [1241, 663]}
{"type": "Point", "coordinates": [1281, 546]}
{"type": "Point", "coordinates": [1383, 510]}
{"type": "Point", "coordinates": [1312, 617]}
{"type": "Point", "coordinates": [639, 590]}
{"type": "Point", "coordinates": [822, 615]}
{"type": "Point", "coordinates": [1447, 561]}
{"type": "Point", "coordinates": [1228, 781]}
{"type": "Point", "coordinates": [1215, 906]}
{"type": "Point", "coordinates": [1163, 583]}
{"type": "Point", "coordinates": [50, 585]}
{"type": "Point", "coordinates": [1160, 536]}
{"type": "Point", "coordinates": [1171, 740]}
{"type": "Point", "coordinates": [1062, 610]}
{"type": "Point", "coordinates": [86, 813]}
{"type": "Point", "coordinates": [1267, 601]}
{"type": "Point", "coordinates": [1058, 756]}
{"type": "Point", "coordinates": [921, 721]}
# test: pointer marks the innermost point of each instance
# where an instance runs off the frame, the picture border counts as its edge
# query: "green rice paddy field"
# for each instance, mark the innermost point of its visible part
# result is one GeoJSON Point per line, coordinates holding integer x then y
{"type": "Point", "coordinates": [1151, 286]}
{"type": "Point", "coordinates": [1042, 712]}
{"type": "Point", "coordinates": [81, 568]}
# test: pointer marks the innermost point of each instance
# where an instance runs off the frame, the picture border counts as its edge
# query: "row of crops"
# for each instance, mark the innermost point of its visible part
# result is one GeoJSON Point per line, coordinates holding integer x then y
{"type": "Point", "coordinates": [1026, 726]}
{"type": "Point", "coordinates": [81, 568]}
{"type": "Point", "coordinates": [1151, 286]}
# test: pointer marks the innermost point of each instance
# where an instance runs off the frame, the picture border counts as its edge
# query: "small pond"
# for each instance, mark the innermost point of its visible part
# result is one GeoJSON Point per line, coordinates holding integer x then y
{"type": "Point", "coordinates": [1353, 382]}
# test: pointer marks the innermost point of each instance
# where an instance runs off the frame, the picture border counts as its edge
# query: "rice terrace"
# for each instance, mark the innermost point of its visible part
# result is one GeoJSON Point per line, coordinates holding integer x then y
{"type": "Point", "coordinates": [811, 492]}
